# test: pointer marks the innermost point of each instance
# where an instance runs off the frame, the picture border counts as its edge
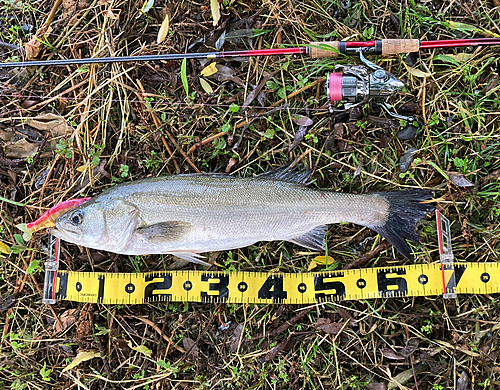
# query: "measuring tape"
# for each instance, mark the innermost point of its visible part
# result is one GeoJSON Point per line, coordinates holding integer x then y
{"type": "Point", "coordinates": [445, 278]}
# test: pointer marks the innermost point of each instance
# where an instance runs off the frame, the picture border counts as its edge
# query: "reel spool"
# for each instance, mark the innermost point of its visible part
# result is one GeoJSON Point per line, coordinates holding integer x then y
{"type": "Point", "coordinates": [357, 84]}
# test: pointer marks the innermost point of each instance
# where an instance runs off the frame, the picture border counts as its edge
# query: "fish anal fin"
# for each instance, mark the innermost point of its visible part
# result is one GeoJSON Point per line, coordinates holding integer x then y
{"type": "Point", "coordinates": [191, 257]}
{"type": "Point", "coordinates": [165, 231]}
{"type": "Point", "coordinates": [313, 240]}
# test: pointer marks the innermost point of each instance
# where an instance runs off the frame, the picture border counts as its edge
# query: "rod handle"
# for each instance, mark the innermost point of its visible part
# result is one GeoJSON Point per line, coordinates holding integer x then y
{"type": "Point", "coordinates": [317, 52]}
{"type": "Point", "coordinates": [398, 46]}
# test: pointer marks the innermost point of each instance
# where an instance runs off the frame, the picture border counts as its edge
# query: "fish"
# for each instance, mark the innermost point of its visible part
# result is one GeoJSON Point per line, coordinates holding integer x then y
{"type": "Point", "coordinates": [189, 214]}
{"type": "Point", "coordinates": [48, 218]}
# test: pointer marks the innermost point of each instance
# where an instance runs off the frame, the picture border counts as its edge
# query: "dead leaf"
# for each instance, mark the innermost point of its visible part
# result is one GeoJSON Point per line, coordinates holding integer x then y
{"type": "Point", "coordinates": [148, 4]}
{"type": "Point", "coordinates": [299, 136]}
{"type": "Point", "coordinates": [4, 248]}
{"type": "Point", "coordinates": [347, 316]}
{"type": "Point", "coordinates": [410, 347]}
{"type": "Point", "coordinates": [54, 124]}
{"type": "Point", "coordinates": [209, 70]}
{"type": "Point", "coordinates": [206, 86]}
{"type": "Point", "coordinates": [70, 7]}
{"type": "Point", "coordinates": [388, 353]}
{"type": "Point", "coordinates": [236, 338]}
{"type": "Point", "coordinates": [215, 9]}
{"type": "Point", "coordinates": [459, 179]}
{"type": "Point", "coordinates": [417, 72]}
{"type": "Point", "coordinates": [35, 45]}
{"type": "Point", "coordinates": [327, 326]}
{"type": "Point", "coordinates": [20, 149]}
{"type": "Point", "coordinates": [322, 260]}
{"type": "Point", "coordinates": [191, 347]}
{"type": "Point", "coordinates": [140, 348]}
{"type": "Point", "coordinates": [162, 33]}
{"type": "Point", "coordinates": [302, 120]}
{"type": "Point", "coordinates": [232, 161]}
{"type": "Point", "coordinates": [66, 319]}
{"type": "Point", "coordinates": [80, 358]}
{"type": "Point", "coordinates": [51, 125]}
{"type": "Point", "coordinates": [225, 73]}
{"type": "Point", "coordinates": [277, 349]}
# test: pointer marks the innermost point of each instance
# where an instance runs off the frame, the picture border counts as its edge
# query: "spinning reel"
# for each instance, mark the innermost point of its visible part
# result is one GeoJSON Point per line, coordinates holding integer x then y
{"type": "Point", "coordinates": [356, 85]}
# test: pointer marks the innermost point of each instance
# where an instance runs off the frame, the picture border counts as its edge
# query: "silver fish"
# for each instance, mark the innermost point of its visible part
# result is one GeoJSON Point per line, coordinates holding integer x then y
{"type": "Point", "coordinates": [186, 215]}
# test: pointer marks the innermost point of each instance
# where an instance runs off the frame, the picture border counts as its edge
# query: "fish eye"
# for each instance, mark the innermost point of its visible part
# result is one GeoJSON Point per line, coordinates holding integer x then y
{"type": "Point", "coordinates": [77, 217]}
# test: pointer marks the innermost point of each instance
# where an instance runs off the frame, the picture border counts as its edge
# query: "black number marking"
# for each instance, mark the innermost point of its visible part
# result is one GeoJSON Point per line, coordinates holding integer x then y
{"type": "Point", "coordinates": [63, 286]}
{"type": "Point", "coordinates": [130, 288]}
{"type": "Point", "coordinates": [335, 288]}
{"type": "Point", "coordinates": [384, 282]}
{"type": "Point", "coordinates": [78, 286]}
{"type": "Point", "coordinates": [150, 292]}
{"type": "Point", "coordinates": [273, 289]}
{"type": "Point", "coordinates": [423, 279]}
{"type": "Point", "coordinates": [485, 277]}
{"type": "Point", "coordinates": [220, 286]}
{"type": "Point", "coordinates": [100, 293]}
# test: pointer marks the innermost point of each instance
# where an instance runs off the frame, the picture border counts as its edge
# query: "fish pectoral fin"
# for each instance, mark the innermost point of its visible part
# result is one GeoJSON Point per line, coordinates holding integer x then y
{"type": "Point", "coordinates": [191, 257]}
{"type": "Point", "coordinates": [313, 240]}
{"type": "Point", "coordinates": [165, 231]}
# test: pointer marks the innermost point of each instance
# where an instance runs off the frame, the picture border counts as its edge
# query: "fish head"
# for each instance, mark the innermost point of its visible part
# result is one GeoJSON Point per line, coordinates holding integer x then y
{"type": "Point", "coordinates": [106, 224]}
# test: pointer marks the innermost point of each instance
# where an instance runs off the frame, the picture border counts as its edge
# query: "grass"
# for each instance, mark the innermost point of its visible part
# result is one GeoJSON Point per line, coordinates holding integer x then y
{"type": "Point", "coordinates": [134, 121]}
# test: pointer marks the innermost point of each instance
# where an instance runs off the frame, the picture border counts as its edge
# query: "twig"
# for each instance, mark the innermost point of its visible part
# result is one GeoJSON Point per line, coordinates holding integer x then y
{"type": "Point", "coordinates": [368, 256]}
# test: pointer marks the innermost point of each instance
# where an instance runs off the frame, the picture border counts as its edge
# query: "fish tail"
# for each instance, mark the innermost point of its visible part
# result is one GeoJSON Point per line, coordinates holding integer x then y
{"type": "Point", "coordinates": [405, 210]}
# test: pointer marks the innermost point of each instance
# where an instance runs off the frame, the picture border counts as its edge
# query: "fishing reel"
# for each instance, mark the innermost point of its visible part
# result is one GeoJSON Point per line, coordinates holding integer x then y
{"type": "Point", "coordinates": [357, 84]}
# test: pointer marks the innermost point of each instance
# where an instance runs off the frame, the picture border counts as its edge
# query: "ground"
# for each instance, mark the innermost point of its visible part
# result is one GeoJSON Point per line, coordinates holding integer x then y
{"type": "Point", "coordinates": [128, 121]}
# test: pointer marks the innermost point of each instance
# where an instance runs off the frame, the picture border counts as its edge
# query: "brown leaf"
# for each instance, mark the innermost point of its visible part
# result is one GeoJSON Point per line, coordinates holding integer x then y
{"type": "Point", "coordinates": [409, 348]}
{"type": "Point", "coordinates": [236, 338]}
{"type": "Point", "coordinates": [66, 319]}
{"type": "Point", "coordinates": [215, 8]}
{"type": "Point", "coordinates": [302, 120]}
{"type": "Point", "coordinates": [191, 347]}
{"type": "Point", "coordinates": [35, 45]}
{"type": "Point", "coordinates": [347, 316]}
{"type": "Point", "coordinates": [20, 149]}
{"type": "Point", "coordinates": [326, 325]}
{"type": "Point", "coordinates": [385, 123]}
{"type": "Point", "coordinates": [230, 164]}
{"type": "Point", "coordinates": [225, 73]}
{"type": "Point", "coordinates": [162, 33]}
{"type": "Point", "coordinates": [299, 136]}
{"type": "Point", "coordinates": [277, 349]}
{"type": "Point", "coordinates": [388, 353]}
{"type": "Point", "coordinates": [72, 6]}
{"type": "Point", "coordinates": [52, 125]}
{"type": "Point", "coordinates": [459, 179]}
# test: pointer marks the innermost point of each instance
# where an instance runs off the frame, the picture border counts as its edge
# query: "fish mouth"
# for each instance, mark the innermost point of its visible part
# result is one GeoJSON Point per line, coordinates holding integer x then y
{"type": "Point", "coordinates": [66, 234]}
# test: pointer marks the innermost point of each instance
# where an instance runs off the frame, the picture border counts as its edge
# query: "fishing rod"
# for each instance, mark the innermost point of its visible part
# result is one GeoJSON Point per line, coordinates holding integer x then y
{"type": "Point", "coordinates": [314, 50]}
{"type": "Point", "coordinates": [355, 85]}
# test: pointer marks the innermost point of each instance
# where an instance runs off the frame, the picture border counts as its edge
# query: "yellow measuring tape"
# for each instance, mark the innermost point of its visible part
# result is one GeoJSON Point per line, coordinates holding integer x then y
{"type": "Point", "coordinates": [263, 287]}
{"type": "Point", "coordinates": [445, 278]}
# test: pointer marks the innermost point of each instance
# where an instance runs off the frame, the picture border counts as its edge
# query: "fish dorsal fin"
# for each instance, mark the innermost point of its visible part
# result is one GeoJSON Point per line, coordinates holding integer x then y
{"type": "Point", "coordinates": [191, 257]}
{"type": "Point", "coordinates": [289, 174]}
{"type": "Point", "coordinates": [165, 231]}
{"type": "Point", "coordinates": [313, 240]}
